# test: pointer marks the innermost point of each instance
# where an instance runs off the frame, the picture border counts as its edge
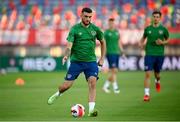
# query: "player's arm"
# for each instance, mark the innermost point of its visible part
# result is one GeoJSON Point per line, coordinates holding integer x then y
{"type": "Point", "coordinates": [70, 40]}
{"type": "Point", "coordinates": [67, 52]}
{"type": "Point", "coordinates": [121, 48]}
{"type": "Point", "coordinates": [160, 42]}
{"type": "Point", "coordinates": [142, 42]}
{"type": "Point", "coordinates": [99, 37]}
{"type": "Point", "coordinates": [166, 41]}
{"type": "Point", "coordinates": [103, 52]}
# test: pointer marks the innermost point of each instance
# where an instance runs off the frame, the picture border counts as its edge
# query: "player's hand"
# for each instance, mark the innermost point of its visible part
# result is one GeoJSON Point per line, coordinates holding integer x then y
{"type": "Point", "coordinates": [64, 60]}
{"type": "Point", "coordinates": [159, 42]}
{"type": "Point", "coordinates": [142, 53]}
{"type": "Point", "coordinates": [100, 62]}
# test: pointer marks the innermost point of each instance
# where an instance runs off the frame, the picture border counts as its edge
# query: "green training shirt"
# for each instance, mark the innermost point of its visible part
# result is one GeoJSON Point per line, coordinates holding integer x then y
{"type": "Point", "coordinates": [112, 41]}
{"type": "Point", "coordinates": [84, 42]}
{"type": "Point", "coordinates": [153, 33]}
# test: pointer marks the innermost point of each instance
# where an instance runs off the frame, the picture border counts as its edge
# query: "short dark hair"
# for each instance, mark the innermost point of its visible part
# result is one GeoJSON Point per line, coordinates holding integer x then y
{"type": "Point", "coordinates": [111, 19]}
{"type": "Point", "coordinates": [88, 10]}
{"type": "Point", "coordinates": [156, 12]}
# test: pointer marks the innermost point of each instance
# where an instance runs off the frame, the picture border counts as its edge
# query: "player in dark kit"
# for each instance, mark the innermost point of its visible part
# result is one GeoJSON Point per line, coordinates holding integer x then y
{"type": "Point", "coordinates": [157, 37]}
{"type": "Point", "coordinates": [81, 49]}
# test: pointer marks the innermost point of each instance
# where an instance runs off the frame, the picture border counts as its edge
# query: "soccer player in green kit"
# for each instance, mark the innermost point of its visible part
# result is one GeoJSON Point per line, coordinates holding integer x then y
{"type": "Point", "coordinates": [113, 48]}
{"type": "Point", "coordinates": [81, 49]}
{"type": "Point", "coordinates": [157, 37]}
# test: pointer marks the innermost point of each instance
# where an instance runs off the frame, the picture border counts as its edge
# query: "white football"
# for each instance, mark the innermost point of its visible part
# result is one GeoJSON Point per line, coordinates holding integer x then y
{"type": "Point", "coordinates": [77, 110]}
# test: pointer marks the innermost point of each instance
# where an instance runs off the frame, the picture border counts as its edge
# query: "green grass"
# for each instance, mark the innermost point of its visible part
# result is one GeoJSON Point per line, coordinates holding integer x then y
{"type": "Point", "coordinates": [29, 102]}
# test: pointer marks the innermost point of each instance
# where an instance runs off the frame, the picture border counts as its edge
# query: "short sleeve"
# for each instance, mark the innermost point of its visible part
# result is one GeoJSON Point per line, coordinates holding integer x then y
{"type": "Point", "coordinates": [118, 34]}
{"type": "Point", "coordinates": [99, 35]}
{"type": "Point", "coordinates": [71, 35]}
{"type": "Point", "coordinates": [105, 34]}
{"type": "Point", "coordinates": [145, 33]}
{"type": "Point", "coordinates": [166, 33]}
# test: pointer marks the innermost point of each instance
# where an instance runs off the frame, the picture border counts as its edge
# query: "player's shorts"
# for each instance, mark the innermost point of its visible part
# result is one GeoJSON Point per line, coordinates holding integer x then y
{"type": "Point", "coordinates": [76, 67]}
{"type": "Point", "coordinates": [153, 63]}
{"type": "Point", "coordinates": [113, 60]}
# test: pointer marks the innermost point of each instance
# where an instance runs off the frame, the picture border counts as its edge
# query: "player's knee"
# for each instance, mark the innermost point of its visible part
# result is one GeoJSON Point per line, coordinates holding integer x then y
{"type": "Point", "coordinates": [113, 69]}
{"type": "Point", "coordinates": [93, 86]}
{"type": "Point", "coordinates": [92, 82]}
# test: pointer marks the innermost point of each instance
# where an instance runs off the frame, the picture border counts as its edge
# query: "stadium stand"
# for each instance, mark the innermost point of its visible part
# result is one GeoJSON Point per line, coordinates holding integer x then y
{"type": "Point", "coordinates": [64, 12]}
{"type": "Point", "coordinates": [45, 23]}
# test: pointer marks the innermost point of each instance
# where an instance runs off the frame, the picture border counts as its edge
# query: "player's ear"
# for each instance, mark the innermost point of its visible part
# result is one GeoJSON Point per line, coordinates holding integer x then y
{"type": "Point", "coordinates": [81, 15]}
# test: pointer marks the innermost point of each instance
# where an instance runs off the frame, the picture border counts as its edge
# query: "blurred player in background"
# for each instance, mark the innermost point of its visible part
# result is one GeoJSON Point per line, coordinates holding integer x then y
{"type": "Point", "coordinates": [114, 49]}
{"type": "Point", "coordinates": [81, 49]}
{"type": "Point", "coordinates": [157, 37]}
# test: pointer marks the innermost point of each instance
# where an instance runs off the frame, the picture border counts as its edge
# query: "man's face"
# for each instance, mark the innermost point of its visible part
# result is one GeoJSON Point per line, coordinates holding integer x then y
{"type": "Point", "coordinates": [156, 18]}
{"type": "Point", "coordinates": [86, 18]}
{"type": "Point", "coordinates": [111, 24]}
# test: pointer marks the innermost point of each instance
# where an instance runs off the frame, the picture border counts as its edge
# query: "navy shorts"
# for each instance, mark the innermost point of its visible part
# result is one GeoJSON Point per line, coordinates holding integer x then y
{"type": "Point", "coordinates": [153, 63]}
{"type": "Point", "coordinates": [75, 68]}
{"type": "Point", "coordinates": [113, 60]}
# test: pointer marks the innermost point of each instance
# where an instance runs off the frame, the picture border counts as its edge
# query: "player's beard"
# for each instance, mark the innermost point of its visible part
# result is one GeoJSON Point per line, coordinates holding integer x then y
{"type": "Point", "coordinates": [156, 22]}
{"type": "Point", "coordinates": [86, 23]}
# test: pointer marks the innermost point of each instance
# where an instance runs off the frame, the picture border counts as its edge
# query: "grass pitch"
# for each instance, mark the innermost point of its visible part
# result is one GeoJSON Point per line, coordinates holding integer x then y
{"type": "Point", "coordinates": [29, 102]}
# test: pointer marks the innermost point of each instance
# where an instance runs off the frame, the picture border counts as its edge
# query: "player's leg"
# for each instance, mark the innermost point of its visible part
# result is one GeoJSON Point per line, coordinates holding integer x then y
{"type": "Point", "coordinates": [114, 72]}
{"type": "Point", "coordinates": [147, 86]}
{"type": "Point", "coordinates": [148, 62]}
{"type": "Point", "coordinates": [157, 68]}
{"type": "Point", "coordinates": [91, 73]}
{"type": "Point", "coordinates": [107, 83]}
{"type": "Point", "coordinates": [62, 88]}
{"type": "Point", "coordinates": [157, 76]}
{"type": "Point", "coordinates": [92, 95]}
{"type": "Point", "coordinates": [157, 81]}
{"type": "Point", "coordinates": [74, 70]}
{"type": "Point", "coordinates": [114, 80]}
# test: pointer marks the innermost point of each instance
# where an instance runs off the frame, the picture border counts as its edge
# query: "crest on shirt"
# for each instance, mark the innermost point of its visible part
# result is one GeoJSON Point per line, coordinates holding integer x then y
{"type": "Point", "coordinates": [149, 32]}
{"type": "Point", "coordinates": [93, 33]}
{"type": "Point", "coordinates": [160, 32]}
